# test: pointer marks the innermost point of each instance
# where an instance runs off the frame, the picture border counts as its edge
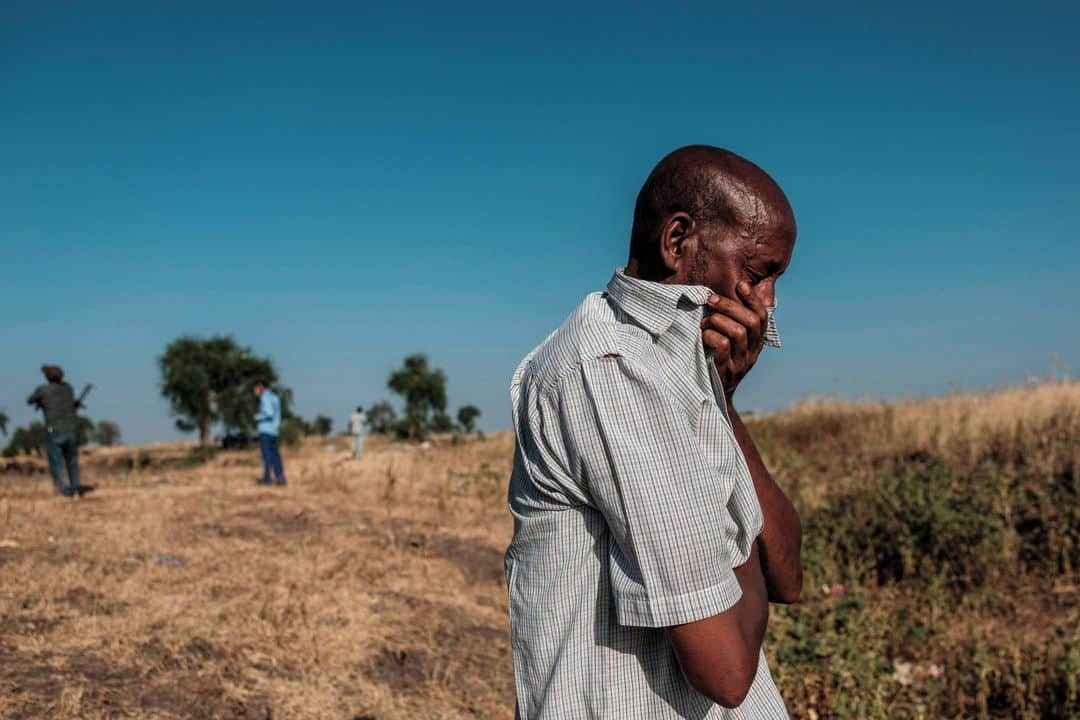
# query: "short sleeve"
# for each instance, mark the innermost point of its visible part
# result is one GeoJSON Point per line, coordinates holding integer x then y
{"type": "Point", "coordinates": [673, 538]}
{"type": "Point", "coordinates": [35, 396]}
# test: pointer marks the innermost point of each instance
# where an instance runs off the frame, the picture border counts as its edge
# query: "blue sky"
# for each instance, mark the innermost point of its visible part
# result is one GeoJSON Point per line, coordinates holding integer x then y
{"type": "Point", "coordinates": [339, 186]}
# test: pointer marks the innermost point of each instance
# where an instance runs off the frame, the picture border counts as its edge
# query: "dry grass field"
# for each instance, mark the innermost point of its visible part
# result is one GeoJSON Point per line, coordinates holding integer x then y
{"type": "Point", "coordinates": [364, 589]}
{"type": "Point", "coordinates": [942, 546]}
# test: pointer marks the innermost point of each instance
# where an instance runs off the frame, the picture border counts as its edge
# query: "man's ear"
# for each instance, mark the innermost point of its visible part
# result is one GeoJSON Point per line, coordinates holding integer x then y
{"type": "Point", "coordinates": [676, 241]}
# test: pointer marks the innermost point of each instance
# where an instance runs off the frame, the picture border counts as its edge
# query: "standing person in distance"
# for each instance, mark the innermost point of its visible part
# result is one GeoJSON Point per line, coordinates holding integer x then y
{"type": "Point", "coordinates": [357, 421]}
{"type": "Point", "coordinates": [268, 421]}
{"type": "Point", "coordinates": [56, 399]}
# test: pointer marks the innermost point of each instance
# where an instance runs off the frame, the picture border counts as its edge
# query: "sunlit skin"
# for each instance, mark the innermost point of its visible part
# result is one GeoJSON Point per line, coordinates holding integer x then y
{"type": "Point", "coordinates": [738, 249]}
{"type": "Point", "coordinates": [739, 260]}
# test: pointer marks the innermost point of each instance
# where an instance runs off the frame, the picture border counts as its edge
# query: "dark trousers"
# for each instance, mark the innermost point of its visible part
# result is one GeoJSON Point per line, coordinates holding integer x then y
{"type": "Point", "coordinates": [62, 449]}
{"type": "Point", "coordinates": [271, 459]}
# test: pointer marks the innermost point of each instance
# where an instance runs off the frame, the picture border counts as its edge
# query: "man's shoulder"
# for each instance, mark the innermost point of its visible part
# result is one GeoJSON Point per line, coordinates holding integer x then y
{"type": "Point", "coordinates": [595, 329]}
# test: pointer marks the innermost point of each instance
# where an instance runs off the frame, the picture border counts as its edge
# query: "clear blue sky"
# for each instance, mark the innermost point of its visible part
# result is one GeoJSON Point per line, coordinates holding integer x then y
{"type": "Point", "coordinates": [340, 186]}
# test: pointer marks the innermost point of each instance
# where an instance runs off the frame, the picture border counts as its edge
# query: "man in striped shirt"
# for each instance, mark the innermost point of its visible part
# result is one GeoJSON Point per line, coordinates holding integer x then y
{"type": "Point", "coordinates": [649, 538]}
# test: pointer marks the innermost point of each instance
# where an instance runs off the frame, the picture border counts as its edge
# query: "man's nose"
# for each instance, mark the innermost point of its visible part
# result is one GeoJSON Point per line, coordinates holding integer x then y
{"type": "Point", "coordinates": [767, 293]}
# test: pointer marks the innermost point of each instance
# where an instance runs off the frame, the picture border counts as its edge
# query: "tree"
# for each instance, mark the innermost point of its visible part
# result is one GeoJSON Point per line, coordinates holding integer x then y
{"type": "Point", "coordinates": [106, 433]}
{"type": "Point", "coordinates": [30, 439]}
{"type": "Point", "coordinates": [210, 380]}
{"type": "Point", "coordinates": [15, 443]}
{"type": "Point", "coordinates": [322, 425]}
{"type": "Point", "coordinates": [3, 423]}
{"type": "Point", "coordinates": [292, 429]}
{"type": "Point", "coordinates": [466, 416]}
{"type": "Point", "coordinates": [441, 423]}
{"type": "Point", "coordinates": [381, 418]}
{"type": "Point", "coordinates": [84, 429]}
{"type": "Point", "coordinates": [424, 391]}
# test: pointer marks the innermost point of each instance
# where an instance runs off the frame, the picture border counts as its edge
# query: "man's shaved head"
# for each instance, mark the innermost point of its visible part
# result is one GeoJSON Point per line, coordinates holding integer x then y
{"type": "Point", "coordinates": [706, 216]}
{"type": "Point", "coordinates": [712, 186]}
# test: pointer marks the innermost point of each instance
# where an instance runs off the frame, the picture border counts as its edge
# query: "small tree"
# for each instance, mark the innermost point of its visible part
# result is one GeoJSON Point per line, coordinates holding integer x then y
{"type": "Point", "coordinates": [15, 442]}
{"type": "Point", "coordinates": [30, 439]}
{"type": "Point", "coordinates": [381, 418]}
{"type": "Point", "coordinates": [441, 423]}
{"type": "Point", "coordinates": [209, 380]}
{"type": "Point", "coordinates": [292, 430]}
{"type": "Point", "coordinates": [322, 425]}
{"type": "Point", "coordinates": [466, 416]}
{"type": "Point", "coordinates": [424, 391]}
{"type": "Point", "coordinates": [106, 433]}
{"type": "Point", "coordinates": [3, 423]}
{"type": "Point", "coordinates": [84, 429]}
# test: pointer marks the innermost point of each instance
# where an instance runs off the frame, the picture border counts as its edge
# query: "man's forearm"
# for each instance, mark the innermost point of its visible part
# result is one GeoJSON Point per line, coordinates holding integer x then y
{"type": "Point", "coordinates": [719, 654]}
{"type": "Point", "coordinates": [780, 541]}
{"type": "Point", "coordinates": [754, 607]}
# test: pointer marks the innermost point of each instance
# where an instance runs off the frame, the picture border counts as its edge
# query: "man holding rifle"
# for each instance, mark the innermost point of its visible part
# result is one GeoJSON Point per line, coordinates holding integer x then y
{"type": "Point", "coordinates": [649, 538]}
{"type": "Point", "coordinates": [56, 399]}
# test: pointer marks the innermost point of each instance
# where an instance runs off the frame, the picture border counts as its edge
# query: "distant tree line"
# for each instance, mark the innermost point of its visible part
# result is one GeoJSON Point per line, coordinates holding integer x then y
{"type": "Point", "coordinates": [295, 427]}
{"type": "Point", "coordinates": [423, 392]}
{"type": "Point", "coordinates": [31, 438]}
{"type": "Point", "coordinates": [209, 382]}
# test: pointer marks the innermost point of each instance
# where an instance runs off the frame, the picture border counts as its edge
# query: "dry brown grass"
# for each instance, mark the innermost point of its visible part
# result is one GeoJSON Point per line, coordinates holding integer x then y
{"type": "Point", "coordinates": [955, 426]}
{"type": "Point", "coordinates": [366, 588]}
{"type": "Point", "coordinates": [829, 445]}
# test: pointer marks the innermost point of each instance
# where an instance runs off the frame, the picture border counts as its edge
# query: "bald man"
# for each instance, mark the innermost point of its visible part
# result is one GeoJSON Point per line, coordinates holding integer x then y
{"type": "Point", "coordinates": [649, 538]}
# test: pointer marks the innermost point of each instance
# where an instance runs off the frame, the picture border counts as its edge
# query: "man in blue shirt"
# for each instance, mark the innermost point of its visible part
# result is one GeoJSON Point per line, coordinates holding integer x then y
{"type": "Point", "coordinates": [268, 420]}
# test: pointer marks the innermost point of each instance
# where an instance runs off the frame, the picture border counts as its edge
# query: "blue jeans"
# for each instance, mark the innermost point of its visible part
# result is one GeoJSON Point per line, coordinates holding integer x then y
{"type": "Point", "coordinates": [62, 448]}
{"type": "Point", "coordinates": [271, 459]}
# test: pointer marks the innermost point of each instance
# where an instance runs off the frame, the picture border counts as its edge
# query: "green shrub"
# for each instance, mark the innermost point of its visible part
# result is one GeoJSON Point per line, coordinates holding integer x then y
{"type": "Point", "coordinates": [955, 536]}
{"type": "Point", "coordinates": [199, 455]}
{"type": "Point", "coordinates": [913, 526]}
{"type": "Point", "coordinates": [292, 430]}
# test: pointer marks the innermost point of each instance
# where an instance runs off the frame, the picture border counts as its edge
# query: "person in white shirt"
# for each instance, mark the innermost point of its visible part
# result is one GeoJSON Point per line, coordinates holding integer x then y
{"type": "Point", "coordinates": [356, 428]}
{"type": "Point", "coordinates": [649, 537]}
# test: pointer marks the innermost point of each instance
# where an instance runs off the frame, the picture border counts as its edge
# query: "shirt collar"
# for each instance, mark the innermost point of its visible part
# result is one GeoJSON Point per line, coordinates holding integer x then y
{"type": "Point", "coordinates": [653, 305]}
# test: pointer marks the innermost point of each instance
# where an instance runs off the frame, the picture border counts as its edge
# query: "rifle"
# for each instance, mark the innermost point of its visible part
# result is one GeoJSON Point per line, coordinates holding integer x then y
{"type": "Point", "coordinates": [83, 394]}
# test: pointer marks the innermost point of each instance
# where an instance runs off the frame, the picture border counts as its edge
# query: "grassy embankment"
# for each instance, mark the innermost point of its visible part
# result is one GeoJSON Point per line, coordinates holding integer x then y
{"type": "Point", "coordinates": [373, 589]}
{"type": "Point", "coordinates": [954, 526]}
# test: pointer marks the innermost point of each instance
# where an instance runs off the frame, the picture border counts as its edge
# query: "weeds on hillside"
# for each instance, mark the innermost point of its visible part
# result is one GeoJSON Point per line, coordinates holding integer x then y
{"type": "Point", "coordinates": [953, 526]}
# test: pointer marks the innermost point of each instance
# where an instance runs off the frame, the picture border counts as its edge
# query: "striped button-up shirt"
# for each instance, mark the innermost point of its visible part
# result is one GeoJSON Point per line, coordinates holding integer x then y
{"type": "Point", "coordinates": [632, 502]}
